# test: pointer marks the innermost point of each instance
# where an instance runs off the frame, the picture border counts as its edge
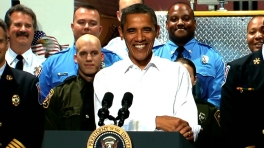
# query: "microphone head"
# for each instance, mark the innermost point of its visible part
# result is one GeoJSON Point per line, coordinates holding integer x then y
{"type": "Point", "coordinates": [108, 99]}
{"type": "Point", "coordinates": [128, 98]}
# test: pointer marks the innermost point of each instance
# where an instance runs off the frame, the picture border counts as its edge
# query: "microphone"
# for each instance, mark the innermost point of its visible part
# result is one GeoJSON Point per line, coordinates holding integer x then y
{"type": "Point", "coordinates": [103, 113]}
{"type": "Point", "coordinates": [123, 112]}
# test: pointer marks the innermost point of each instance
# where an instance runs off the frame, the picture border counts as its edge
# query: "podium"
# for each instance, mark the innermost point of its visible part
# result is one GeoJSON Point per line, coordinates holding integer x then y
{"type": "Point", "coordinates": [78, 139]}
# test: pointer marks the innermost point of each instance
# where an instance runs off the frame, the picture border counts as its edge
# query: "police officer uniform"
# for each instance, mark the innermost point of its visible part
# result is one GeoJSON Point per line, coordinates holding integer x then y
{"type": "Point", "coordinates": [209, 120]}
{"type": "Point", "coordinates": [242, 102]}
{"type": "Point", "coordinates": [209, 65]}
{"type": "Point", "coordinates": [69, 106]}
{"type": "Point", "coordinates": [21, 116]}
{"type": "Point", "coordinates": [61, 65]}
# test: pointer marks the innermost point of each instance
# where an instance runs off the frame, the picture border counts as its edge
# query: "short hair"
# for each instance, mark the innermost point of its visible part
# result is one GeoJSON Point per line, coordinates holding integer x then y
{"type": "Point", "coordinates": [142, 2]}
{"type": "Point", "coordinates": [88, 7]}
{"type": "Point", "coordinates": [177, 4]}
{"type": "Point", "coordinates": [254, 18]}
{"type": "Point", "coordinates": [23, 9]}
{"type": "Point", "coordinates": [138, 9]}
{"type": "Point", "coordinates": [188, 62]}
{"type": "Point", "coordinates": [4, 27]}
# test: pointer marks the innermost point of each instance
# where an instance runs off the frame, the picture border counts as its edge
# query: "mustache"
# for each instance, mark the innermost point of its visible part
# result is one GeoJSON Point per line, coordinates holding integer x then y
{"type": "Point", "coordinates": [22, 34]}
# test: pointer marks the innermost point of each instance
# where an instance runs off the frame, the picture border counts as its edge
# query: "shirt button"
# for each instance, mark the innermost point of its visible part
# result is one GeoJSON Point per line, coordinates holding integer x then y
{"type": "Point", "coordinates": [263, 132]}
{"type": "Point", "coordinates": [0, 124]}
{"type": "Point", "coordinates": [86, 116]}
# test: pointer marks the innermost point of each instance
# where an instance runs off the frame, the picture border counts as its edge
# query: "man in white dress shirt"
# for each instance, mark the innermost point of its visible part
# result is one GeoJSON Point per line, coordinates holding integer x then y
{"type": "Point", "coordinates": [118, 45]}
{"type": "Point", "coordinates": [22, 22]}
{"type": "Point", "coordinates": [162, 95]}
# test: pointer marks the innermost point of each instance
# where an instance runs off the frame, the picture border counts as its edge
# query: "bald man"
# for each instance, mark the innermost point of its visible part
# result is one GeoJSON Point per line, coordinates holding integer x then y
{"type": "Point", "coordinates": [70, 106]}
{"type": "Point", "coordinates": [255, 34]}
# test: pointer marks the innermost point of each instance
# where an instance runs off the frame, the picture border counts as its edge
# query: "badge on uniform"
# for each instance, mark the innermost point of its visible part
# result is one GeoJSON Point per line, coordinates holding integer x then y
{"type": "Point", "coordinates": [9, 77]}
{"type": "Point", "coordinates": [37, 71]}
{"type": "Point", "coordinates": [205, 59]}
{"type": "Point", "coordinates": [15, 100]}
{"type": "Point", "coordinates": [202, 117]}
{"type": "Point", "coordinates": [217, 116]}
{"type": "Point", "coordinates": [47, 100]}
{"type": "Point", "coordinates": [256, 61]}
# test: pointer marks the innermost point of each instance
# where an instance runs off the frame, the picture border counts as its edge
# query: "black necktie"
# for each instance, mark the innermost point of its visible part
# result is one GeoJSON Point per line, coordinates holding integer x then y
{"type": "Point", "coordinates": [180, 49]}
{"type": "Point", "coordinates": [19, 64]}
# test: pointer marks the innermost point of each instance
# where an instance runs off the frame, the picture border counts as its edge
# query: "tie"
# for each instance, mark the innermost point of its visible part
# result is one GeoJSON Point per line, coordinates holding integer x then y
{"type": "Point", "coordinates": [180, 49]}
{"type": "Point", "coordinates": [19, 64]}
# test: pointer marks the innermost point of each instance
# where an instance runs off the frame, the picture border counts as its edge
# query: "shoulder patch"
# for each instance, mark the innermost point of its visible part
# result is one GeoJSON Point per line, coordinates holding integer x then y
{"type": "Point", "coordinates": [46, 102]}
{"type": "Point", "coordinates": [226, 73]}
{"type": "Point", "coordinates": [69, 78]}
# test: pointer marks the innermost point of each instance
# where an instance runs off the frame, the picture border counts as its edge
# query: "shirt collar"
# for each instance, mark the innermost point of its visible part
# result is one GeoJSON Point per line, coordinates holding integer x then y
{"type": "Point", "coordinates": [129, 64]}
{"type": "Point", "coordinates": [188, 46]}
{"type": "Point", "coordinates": [2, 70]}
{"type": "Point", "coordinates": [27, 56]}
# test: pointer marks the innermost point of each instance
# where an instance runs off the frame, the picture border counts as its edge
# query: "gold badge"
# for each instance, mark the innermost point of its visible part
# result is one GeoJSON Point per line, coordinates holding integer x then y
{"type": "Point", "coordinates": [217, 116]}
{"type": "Point", "coordinates": [37, 71]}
{"type": "Point", "coordinates": [9, 77]}
{"type": "Point", "coordinates": [256, 61]}
{"type": "Point", "coordinates": [47, 100]}
{"type": "Point", "coordinates": [15, 100]}
{"type": "Point", "coordinates": [109, 136]}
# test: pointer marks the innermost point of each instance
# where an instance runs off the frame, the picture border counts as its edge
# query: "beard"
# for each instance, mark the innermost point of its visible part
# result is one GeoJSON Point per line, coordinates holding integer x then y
{"type": "Point", "coordinates": [181, 40]}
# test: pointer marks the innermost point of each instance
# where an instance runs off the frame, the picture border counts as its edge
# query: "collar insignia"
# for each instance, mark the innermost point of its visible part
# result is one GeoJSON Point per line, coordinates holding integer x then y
{"type": "Point", "coordinates": [256, 61]}
{"type": "Point", "coordinates": [9, 77]}
{"type": "Point", "coordinates": [37, 71]}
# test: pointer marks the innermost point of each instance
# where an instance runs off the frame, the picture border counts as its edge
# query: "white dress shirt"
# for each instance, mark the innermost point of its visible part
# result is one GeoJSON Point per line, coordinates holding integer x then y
{"type": "Point", "coordinates": [162, 88]}
{"type": "Point", "coordinates": [118, 46]}
{"type": "Point", "coordinates": [2, 70]}
{"type": "Point", "coordinates": [30, 60]}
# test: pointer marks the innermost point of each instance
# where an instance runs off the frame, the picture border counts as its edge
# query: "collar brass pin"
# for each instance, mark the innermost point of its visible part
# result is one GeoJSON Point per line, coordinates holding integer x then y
{"type": "Point", "coordinates": [256, 61]}
{"type": "Point", "coordinates": [15, 100]}
{"type": "Point", "coordinates": [9, 77]}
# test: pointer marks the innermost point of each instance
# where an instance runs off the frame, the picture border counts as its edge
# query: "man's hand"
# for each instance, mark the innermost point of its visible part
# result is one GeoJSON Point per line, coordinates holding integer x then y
{"type": "Point", "coordinates": [173, 124]}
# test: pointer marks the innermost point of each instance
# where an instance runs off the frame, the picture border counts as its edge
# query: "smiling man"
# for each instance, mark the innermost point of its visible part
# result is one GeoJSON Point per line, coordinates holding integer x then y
{"type": "Point", "coordinates": [21, 22]}
{"type": "Point", "coordinates": [70, 106]}
{"type": "Point", "coordinates": [156, 105]}
{"type": "Point", "coordinates": [181, 26]}
{"type": "Point", "coordinates": [255, 35]}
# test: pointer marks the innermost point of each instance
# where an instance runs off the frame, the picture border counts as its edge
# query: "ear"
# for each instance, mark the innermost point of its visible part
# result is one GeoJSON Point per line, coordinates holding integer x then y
{"type": "Point", "coordinates": [167, 25]}
{"type": "Point", "coordinates": [118, 15]}
{"type": "Point", "coordinates": [195, 80]}
{"type": "Point", "coordinates": [75, 58]}
{"type": "Point", "coordinates": [120, 32]}
{"type": "Point", "coordinates": [100, 30]}
{"type": "Point", "coordinates": [72, 26]}
{"type": "Point", "coordinates": [157, 31]}
{"type": "Point", "coordinates": [102, 56]}
{"type": "Point", "coordinates": [195, 24]}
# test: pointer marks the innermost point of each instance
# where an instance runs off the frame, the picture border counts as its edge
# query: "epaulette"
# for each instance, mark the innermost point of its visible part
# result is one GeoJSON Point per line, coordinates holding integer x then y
{"type": "Point", "coordinates": [203, 44]}
{"type": "Point", "coordinates": [62, 51]}
{"type": "Point", "coordinates": [106, 50]}
{"type": "Point", "coordinates": [158, 46]}
{"type": "Point", "coordinates": [68, 80]}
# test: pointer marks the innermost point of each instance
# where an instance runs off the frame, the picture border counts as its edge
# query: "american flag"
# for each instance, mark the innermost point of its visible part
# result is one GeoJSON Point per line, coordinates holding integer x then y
{"type": "Point", "coordinates": [47, 46]}
{"type": "Point", "coordinates": [37, 35]}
